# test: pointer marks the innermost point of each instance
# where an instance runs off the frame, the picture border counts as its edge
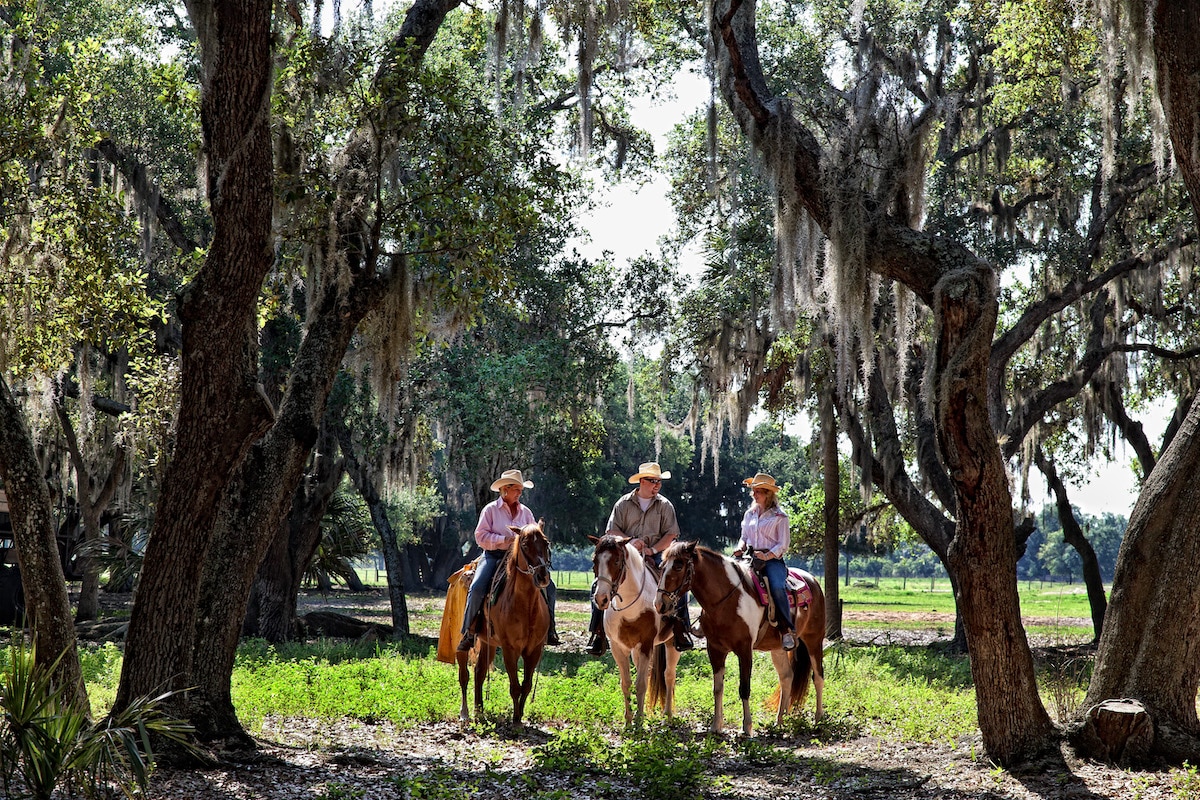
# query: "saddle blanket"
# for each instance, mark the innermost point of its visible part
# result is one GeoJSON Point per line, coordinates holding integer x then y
{"type": "Point", "coordinates": [799, 595]}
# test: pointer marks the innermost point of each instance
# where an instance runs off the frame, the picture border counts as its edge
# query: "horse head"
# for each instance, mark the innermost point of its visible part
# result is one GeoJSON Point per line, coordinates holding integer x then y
{"type": "Point", "coordinates": [531, 552]}
{"type": "Point", "coordinates": [678, 569]}
{"type": "Point", "coordinates": [609, 564]}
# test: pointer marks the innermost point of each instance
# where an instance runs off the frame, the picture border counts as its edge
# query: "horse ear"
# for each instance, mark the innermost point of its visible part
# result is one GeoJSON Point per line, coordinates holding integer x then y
{"type": "Point", "coordinates": [593, 539]}
{"type": "Point", "coordinates": [689, 546]}
{"type": "Point", "coordinates": [515, 529]}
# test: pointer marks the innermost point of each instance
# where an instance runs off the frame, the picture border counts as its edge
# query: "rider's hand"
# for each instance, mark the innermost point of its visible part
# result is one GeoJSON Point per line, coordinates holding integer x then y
{"type": "Point", "coordinates": [738, 553]}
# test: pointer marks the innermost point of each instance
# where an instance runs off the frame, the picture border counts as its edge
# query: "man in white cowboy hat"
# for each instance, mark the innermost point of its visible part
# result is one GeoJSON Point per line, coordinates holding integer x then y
{"type": "Point", "coordinates": [493, 535]}
{"type": "Point", "coordinates": [765, 534]}
{"type": "Point", "coordinates": [649, 519]}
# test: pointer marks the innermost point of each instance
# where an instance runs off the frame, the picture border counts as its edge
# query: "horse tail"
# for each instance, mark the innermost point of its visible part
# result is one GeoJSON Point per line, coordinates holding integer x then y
{"type": "Point", "coordinates": [801, 674]}
{"type": "Point", "coordinates": [657, 691]}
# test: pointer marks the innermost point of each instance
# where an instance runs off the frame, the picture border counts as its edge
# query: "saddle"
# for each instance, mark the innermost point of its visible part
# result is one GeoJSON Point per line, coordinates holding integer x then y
{"type": "Point", "coordinates": [798, 593]}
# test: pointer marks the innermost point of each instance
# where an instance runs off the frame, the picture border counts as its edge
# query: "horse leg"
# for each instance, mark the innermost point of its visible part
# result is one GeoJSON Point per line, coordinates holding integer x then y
{"type": "Point", "coordinates": [816, 658]}
{"type": "Point", "coordinates": [717, 659]}
{"type": "Point", "coordinates": [511, 667]}
{"type": "Point", "coordinates": [672, 661]}
{"type": "Point", "coordinates": [483, 662]}
{"type": "Point", "coordinates": [745, 662]}
{"type": "Point", "coordinates": [641, 662]}
{"type": "Point", "coordinates": [464, 678]}
{"type": "Point", "coordinates": [621, 655]}
{"type": "Point", "coordinates": [783, 669]}
{"type": "Point", "coordinates": [531, 660]}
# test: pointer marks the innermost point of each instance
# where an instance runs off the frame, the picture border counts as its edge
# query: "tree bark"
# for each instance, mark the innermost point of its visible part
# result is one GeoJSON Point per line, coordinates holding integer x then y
{"type": "Point", "coordinates": [222, 409]}
{"type": "Point", "coordinates": [253, 512]}
{"type": "Point", "coordinates": [1149, 649]}
{"type": "Point", "coordinates": [832, 489]}
{"type": "Point", "coordinates": [46, 602]}
{"type": "Point", "coordinates": [982, 555]}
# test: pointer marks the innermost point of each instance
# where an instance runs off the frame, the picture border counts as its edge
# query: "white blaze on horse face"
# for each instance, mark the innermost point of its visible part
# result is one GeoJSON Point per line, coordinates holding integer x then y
{"type": "Point", "coordinates": [748, 609]}
{"type": "Point", "coordinates": [605, 570]}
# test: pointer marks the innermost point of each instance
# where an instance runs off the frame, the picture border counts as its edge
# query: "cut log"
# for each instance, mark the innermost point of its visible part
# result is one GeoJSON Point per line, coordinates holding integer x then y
{"type": "Point", "coordinates": [341, 626]}
{"type": "Point", "coordinates": [1118, 732]}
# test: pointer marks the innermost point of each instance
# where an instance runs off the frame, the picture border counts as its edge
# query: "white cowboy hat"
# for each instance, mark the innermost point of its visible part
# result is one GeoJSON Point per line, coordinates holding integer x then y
{"type": "Point", "coordinates": [762, 480]}
{"type": "Point", "coordinates": [650, 470]}
{"type": "Point", "coordinates": [510, 477]}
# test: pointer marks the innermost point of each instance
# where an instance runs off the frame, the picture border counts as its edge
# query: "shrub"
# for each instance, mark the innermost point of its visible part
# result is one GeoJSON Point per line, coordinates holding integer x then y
{"type": "Point", "coordinates": [46, 740]}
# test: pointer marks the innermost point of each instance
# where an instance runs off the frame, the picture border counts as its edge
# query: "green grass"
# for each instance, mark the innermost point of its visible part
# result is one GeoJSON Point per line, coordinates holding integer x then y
{"type": "Point", "coordinates": [869, 689]}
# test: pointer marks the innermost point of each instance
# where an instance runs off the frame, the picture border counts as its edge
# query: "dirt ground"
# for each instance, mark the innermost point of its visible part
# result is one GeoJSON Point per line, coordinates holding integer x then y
{"type": "Point", "coordinates": [352, 759]}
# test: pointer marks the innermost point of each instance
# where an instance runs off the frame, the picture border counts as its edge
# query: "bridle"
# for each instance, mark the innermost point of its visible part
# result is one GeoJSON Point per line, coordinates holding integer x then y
{"type": "Point", "coordinates": [532, 569]}
{"type": "Point", "coordinates": [668, 601]}
{"type": "Point", "coordinates": [613, 586]}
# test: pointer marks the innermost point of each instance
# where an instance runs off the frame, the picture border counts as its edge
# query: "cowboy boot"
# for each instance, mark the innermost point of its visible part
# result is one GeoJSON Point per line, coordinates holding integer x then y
{"type": "Point", "coordinates": [598, 644]}
{"type": "Point", "coordinates": [683, 639]}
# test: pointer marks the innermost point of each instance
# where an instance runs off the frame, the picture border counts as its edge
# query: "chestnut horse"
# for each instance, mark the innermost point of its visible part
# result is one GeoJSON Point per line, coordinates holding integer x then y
{"type": "Point", "coordinates": [625, 590]}
{"type": "Point", "coordinates": [734, 621]}
{"type": "Point", "coordinates": [516, 621]}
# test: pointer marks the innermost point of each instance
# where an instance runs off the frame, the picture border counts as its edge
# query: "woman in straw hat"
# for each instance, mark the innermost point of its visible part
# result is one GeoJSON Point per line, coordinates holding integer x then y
{"type": "Point", "coordinates": [765, 534]}
{"type": "Point", "coordinates": [649, 519]}
{"type": "Point", "coordinates": [493, 535]}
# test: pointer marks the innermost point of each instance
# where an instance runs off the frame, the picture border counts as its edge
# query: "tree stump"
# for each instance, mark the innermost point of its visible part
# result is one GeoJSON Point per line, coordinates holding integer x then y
{"type": "Point", "coordinates": [1118, 732]}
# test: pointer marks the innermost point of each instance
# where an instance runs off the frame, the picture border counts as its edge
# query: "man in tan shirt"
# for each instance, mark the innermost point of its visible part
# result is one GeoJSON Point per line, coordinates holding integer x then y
{"type": "Point", "coordinates": [649, 519]}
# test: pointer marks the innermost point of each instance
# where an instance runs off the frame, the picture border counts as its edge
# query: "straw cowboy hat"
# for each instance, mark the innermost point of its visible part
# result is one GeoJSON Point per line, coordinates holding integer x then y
{"type": "Point", "coordinates": [650, 470]}
{"type": "Point", "coordinates": [510, 477]}
{"type": "Point", "coordinates": [762, 480]}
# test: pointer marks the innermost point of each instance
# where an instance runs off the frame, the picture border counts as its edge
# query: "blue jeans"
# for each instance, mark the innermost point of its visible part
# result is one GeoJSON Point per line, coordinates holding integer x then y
{"type": "Point", "coordinates": [776, 572]}
{"type": "Point", "coordinates": [481, 584]}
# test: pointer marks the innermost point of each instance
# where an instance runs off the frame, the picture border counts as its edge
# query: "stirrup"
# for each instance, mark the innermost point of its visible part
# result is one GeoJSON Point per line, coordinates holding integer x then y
{"type": "Point", "coordinates": [467, 642]}
{"type": "Point", "coordinates": [789, 641]}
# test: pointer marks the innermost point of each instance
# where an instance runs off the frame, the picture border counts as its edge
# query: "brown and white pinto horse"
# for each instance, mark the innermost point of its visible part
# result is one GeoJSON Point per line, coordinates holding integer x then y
{"type": "Point", "coordinates": [734, 621]}
{"type": "Point", "coordinates": [516, 622]}
{"type": "Point", "coordinates": [625, 591]}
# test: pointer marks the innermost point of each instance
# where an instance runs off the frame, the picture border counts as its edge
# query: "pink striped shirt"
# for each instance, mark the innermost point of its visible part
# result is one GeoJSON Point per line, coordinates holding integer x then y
{"type": "Point", "coordinates": [492, 532]}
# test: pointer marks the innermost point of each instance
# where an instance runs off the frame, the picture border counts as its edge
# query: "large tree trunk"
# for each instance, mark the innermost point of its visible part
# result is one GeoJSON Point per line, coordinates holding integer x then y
{"type": "Point", "coordinates": [962, 293]}
{"type": "Point", "coordinates": [277, 583]}
{"type": "Point", "coordinates": [222, 409]}
{"type": "Point", "coordinates": [46, 602]}
{"type": "Point", "coordinates": [252, 515]}
{"type": "Point", "coordinates": [1150, 647]}
{"type": "Point", "coordinates": [982, 556]}
{"type": "Point", "coordinates": [832, 488]}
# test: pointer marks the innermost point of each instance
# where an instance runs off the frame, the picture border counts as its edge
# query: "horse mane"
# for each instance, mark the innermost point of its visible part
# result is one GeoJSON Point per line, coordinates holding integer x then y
{"type": "Point", "coordinates": [740, 568]}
